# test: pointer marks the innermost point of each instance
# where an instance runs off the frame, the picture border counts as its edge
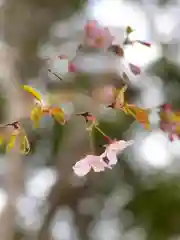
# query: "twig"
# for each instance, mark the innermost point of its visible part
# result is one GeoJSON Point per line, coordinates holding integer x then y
{"type": "Point", "coordinates": [49, 70]}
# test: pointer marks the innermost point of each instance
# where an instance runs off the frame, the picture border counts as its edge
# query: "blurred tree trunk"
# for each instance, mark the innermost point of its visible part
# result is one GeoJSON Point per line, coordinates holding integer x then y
{"type": "Point", "coordinates": [14, 110]}
{"type": "Point", "coordinates": [64, 192]}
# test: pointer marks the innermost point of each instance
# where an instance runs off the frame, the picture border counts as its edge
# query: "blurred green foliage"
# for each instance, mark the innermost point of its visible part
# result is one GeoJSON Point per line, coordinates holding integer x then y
{"type": "Point", "coordinates": [166, 70]}
{"type": "Point", "coordinates": [157, 208]}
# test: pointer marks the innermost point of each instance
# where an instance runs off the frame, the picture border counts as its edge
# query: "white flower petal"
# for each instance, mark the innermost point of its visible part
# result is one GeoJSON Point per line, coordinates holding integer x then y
{"type": "Point", "coordinates": [98, 167]}
{"type": "Point", "coordinates": [124, 144]}
{"type": "Point", "coordinates": [112, 156]}
{"type": "Point", "coordinates": [96, 164]}
{"type": "Point", "coordinates": [81, 168]}
{"type": "Point", "coordinates": [115, 148]}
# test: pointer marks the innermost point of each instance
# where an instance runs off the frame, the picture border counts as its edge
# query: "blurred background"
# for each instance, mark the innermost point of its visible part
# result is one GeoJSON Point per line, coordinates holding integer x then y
{"type": "Point", "coordinates": [40, 197]}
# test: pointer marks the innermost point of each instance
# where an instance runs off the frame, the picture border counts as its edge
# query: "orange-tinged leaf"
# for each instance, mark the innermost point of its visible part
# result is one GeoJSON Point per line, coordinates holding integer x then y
{"type": "Point", "coordinates": [58, 114]}
{"type": "Point", "coordinates": [141, 115]}
{"type": "Point", "coordinates": [33, 92]}
{"type": "Point", "coordinates": [178, 115]}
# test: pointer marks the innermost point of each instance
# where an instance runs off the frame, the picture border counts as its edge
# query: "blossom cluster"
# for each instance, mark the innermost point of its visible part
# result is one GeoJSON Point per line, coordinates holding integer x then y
{"type": "Point", "coordinates": [99, 37]}
{"type": "Point", "coordinates": [95, 36]}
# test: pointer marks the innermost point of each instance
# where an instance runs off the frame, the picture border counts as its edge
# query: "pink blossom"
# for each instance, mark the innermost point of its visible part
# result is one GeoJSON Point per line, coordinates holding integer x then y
{"type": "Point", "coordinates": [71, 67]}
{"type": "Point", "coordinates": [135, 69]}
{"type": "Point", "coordinates": [108, 93]}
{"type": "Point", "coordinates": [100, 163]}
{"type": "Point", "coordinates": [110, 157]}
{"type": "Point", "coordinates": [169, 122]}
{"type": "Point", "coordinates": [167, 108]}
{"type": "Point", "coordinates": [97, 36]}
{"type": "Point", "coordinates": [96, 163]}
{"type": "Point", "coordinates": [172, 128]}
{"type": "Point", "coordinates": [104, 95]}
{"type": "Point", "coordinates": [114, 148]}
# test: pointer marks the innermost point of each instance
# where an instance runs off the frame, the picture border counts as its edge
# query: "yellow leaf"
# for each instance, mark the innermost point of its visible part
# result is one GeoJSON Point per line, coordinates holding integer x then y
{"type": "Point", "coordinates": [24, 144]}
{"type": "Point", "coordinates": [36, 115]}
{"type": "Point", "coordinates": [33, 92]}
{"type": "Point", "coordinates": [120, 96]}
{"type": "Point", "coordinates": [174, 117]}
{"type": "Point", "coordinates": [58, 114]}
{"type": "Point", "coordinates": [12, 141]}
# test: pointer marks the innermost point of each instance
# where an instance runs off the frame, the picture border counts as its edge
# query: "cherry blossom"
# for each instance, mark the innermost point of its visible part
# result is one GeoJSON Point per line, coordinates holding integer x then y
{"type": "Point", "coordinates": [70, 66]}
{"type": "Point", "coordinates": [99, 163]}
{"type": "Point", "coordinates": [170, 129]}
{"type": "Point", "coordinates": [97, 36]}
{"type": "Point", "coordinates": [134, 69]}
{"type": "Point", "coordinates": [104, 95]}
{"type": "Point", "coordinates": [96, 163]}
{"type": "Point", "coordinates": [115, 148]}
{"type": "Point", "coordinates": [169, 121]}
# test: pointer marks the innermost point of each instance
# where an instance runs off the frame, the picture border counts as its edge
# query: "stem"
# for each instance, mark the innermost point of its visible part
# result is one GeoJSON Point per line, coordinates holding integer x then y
{"type": "Point", "coordinates": [91, 140]}
{"type": "Point", "coordinates": [107, 137]}
{"type": "Point", "coordinates": [130, 111]}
